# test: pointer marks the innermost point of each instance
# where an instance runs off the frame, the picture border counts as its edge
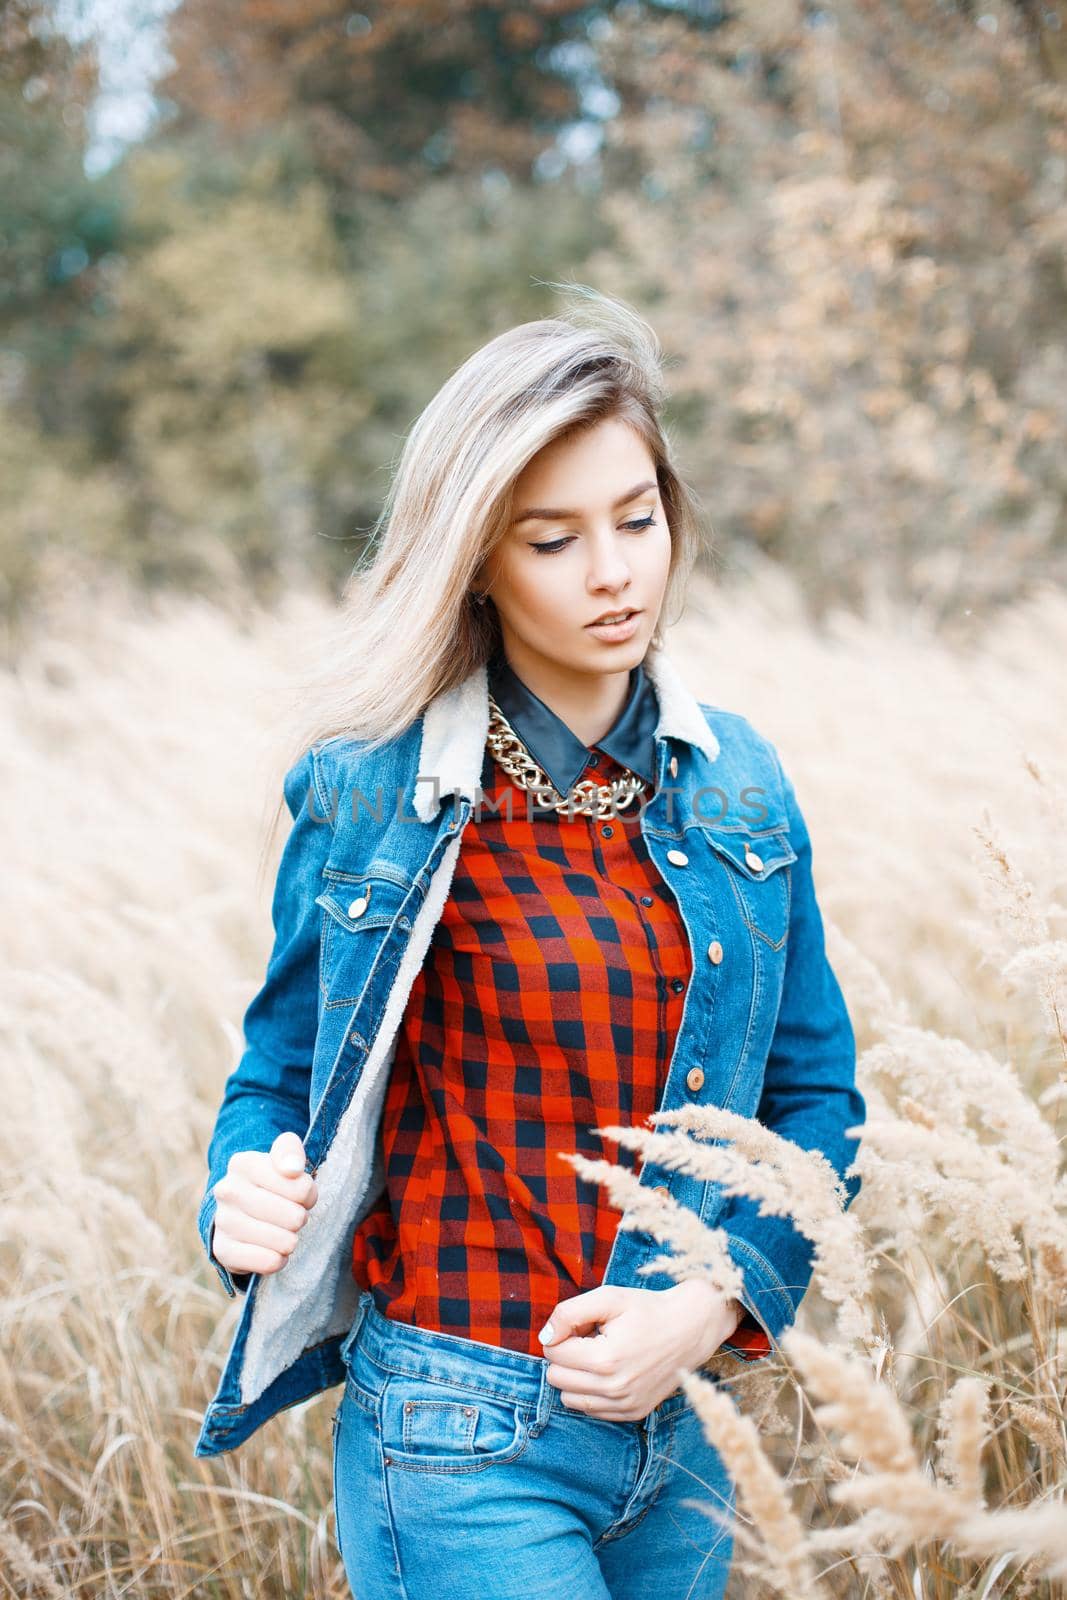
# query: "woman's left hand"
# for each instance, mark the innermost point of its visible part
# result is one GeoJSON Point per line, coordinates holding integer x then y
{"type": "Point", "coordinates": [614, 1352]}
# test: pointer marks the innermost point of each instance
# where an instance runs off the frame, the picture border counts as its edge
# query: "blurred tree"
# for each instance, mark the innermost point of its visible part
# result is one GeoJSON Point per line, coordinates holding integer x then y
{"type": "Point", "coordinates": [37, 60]}
{"type": "Point", "coordinates": [243, 322]}
{"type": "Point", "coordinates": [259, 378]}
{"type": "Point", "coordinates": [61, 513]}
{"type": "Point", "coordinates": [56, 226]}
{"type": "Point", "coordinates": [851, 227]}
{"type": "Point", "coordinates": [388, 94]}
{"type": "Point", "coordinates": [847, 225]}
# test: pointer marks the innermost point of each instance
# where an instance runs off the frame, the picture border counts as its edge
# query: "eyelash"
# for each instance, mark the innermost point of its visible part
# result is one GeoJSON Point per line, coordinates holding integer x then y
{"type": "Point", "coordinates": [553, 545]}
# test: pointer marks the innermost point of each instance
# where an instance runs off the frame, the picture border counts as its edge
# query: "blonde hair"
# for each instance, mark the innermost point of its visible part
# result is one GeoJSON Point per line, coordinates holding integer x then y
{"type": "Point", "coordinates": [407, 628]}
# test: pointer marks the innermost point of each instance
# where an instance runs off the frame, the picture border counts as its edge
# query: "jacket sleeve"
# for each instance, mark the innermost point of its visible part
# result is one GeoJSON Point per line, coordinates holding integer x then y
{"type": "Point", "coordinates": [268, 1091]}
{"type": "Point", "coordinates": [810, 1096]}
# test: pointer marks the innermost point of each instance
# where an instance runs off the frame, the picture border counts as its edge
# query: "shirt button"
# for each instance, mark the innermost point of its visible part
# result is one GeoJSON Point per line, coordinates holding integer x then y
{"type": "Point", "coordinates": [607, 830]}
{"type": "Point", "coordinates": [647, 900]}
{"type": "Point", "coordinates": [715, 951]}
{"type": "Point", "coordinates": [694, 1079]}
{"type": "Point", "coordinates": [677, 984]}
{"type": "Point", "coordinates": [677, 858]}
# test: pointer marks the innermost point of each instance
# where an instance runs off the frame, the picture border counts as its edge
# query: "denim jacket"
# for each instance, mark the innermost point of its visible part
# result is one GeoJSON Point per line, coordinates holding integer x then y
{"type": "Point", "coordinates": [361, 884]}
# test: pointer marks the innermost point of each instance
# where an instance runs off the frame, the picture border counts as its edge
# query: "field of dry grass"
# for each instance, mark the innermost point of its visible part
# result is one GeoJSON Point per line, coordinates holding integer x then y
{"type": "Point", "coordinates": [911, 1442]}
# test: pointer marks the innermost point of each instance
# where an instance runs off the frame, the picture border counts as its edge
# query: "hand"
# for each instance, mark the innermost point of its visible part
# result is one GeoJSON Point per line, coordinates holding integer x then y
{"type": "Point", "coordinates": [262, 1203]}
{"type": "Point", "coordinates": [614, 1353]}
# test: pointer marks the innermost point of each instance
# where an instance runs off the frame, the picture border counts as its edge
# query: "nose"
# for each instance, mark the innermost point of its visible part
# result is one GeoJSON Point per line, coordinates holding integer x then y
{"type": "Point", "coordinates": [609, 570]}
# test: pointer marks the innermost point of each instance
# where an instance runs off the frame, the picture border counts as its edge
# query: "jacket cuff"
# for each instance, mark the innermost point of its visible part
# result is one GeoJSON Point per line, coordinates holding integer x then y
{"type": "Point", "coordinates": [233, 1283]}
{"type": "Point", "coordinates": [768, 1306]}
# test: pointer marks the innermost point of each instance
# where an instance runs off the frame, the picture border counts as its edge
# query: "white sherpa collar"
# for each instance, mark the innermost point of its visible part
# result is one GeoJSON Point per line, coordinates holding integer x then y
{"type": "Point", "coordinates": [456, 722]}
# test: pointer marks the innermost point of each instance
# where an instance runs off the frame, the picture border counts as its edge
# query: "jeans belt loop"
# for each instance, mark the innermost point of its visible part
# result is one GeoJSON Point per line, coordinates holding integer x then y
{"type": "Point", "coordinates": [357, 1322]}
{"type": "Point", "coordinates": [544, 1401]}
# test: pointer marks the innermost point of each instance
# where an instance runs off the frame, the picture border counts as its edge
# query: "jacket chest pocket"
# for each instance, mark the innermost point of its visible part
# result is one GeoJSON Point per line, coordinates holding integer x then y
{"type": "Point", "coordinates": [361, 918]}
{"type": "Point", "coordinates": [756, 868]}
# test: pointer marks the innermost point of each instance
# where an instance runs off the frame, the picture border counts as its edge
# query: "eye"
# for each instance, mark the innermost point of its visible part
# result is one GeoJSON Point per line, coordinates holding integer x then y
{"type": "Point", "coordinates": [551, 545]}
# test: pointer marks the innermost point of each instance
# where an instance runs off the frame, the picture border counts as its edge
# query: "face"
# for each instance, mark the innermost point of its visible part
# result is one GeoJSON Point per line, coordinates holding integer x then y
{"type": "Point", "coordinates": [589, 537]}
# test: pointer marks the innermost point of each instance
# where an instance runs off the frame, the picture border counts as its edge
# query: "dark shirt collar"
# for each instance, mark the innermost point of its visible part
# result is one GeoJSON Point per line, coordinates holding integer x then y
{"type": "Point", "coordinates": [630, 740]}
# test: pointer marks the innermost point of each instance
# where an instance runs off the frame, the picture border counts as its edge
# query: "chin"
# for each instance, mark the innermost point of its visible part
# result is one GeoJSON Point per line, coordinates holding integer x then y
{"type": "Point", "coordinates": [621, 658]}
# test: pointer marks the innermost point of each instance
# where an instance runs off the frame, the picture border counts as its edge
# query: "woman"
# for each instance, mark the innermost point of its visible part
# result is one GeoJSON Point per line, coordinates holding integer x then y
{"type": "Point", "coordinates": [542, 891]}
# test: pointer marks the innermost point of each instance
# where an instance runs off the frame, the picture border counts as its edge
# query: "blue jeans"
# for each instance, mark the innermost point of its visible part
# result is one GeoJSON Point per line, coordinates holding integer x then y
{"type": "Point", "coordinates": [459, 1470]}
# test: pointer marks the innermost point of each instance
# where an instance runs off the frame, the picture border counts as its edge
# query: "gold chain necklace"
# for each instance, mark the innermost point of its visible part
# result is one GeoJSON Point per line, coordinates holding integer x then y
{"type": "Point", "coordinates": [584, 798]}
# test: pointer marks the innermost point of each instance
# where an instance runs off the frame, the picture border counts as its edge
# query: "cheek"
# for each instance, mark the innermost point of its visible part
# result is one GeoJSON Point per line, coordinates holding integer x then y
{"type": "Point", "coordinates": [655, 558]}
{"type": "Point", "coordinates": [541, 592]}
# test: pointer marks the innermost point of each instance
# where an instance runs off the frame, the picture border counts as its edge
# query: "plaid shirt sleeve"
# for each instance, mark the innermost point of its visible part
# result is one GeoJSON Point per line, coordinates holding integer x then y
{"type": "Point", "coordinates": [748, 1341]}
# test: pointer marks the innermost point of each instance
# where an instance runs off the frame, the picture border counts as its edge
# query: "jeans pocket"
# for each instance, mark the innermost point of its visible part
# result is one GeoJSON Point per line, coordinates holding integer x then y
{"type": "Point", "coordinates": [431, 1426]}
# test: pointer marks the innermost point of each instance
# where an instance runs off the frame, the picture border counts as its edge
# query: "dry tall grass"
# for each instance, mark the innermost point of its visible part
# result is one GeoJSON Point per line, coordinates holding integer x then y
{"type": "Point", "coordinates": [909, 1438]}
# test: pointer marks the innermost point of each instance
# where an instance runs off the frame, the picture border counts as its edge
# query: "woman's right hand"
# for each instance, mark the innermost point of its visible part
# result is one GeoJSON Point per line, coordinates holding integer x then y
{"type": "Point", "coordinates": [262, 1202]}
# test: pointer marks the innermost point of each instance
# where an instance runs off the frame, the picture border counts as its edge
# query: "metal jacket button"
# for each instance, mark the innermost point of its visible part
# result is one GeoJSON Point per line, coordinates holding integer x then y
{"type": "Point", "coordinates": [753, 860]}
{"type": "Point", "coordinates": [677, 858]}
{"type": "Point", "coordinates": [674, 766]}
{"type": "Point", "coordinates": [357, 908]}
{"type": "Point", "coordinates": [661, 1188]}
{"type": "Point", "coordinates": [715, 951]}
{"type": "Point", "coordinates": [694, 1079]}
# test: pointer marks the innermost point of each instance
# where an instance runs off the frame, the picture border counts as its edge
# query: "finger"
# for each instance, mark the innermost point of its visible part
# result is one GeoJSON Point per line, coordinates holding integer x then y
{"type": "Point", "coordinates": [585, 1313]}
{"type": "Point", "coordinates": [236, 1256]}
{"type": "Point", "coordinates": [580, 1354]}
{"type": "Point", "coordinates": [287, 1154]}
{"type": "Point", "coordinates": [565, 1323]}
{"type": "Point", "coordinates": [244, 1195]}
{"type": "Point", "coordinates": [588, 1385]}
{"type": "Point", "coordinates": [256, 1166]}
{"type": "Point", "coordinates": [603, 1410]}
{"type": "Point", "coordinates": [241, 1228]}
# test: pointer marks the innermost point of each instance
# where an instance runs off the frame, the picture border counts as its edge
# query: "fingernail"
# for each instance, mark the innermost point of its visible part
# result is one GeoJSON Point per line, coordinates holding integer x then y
{"type": "Point", "coordinates": [546, 1335]}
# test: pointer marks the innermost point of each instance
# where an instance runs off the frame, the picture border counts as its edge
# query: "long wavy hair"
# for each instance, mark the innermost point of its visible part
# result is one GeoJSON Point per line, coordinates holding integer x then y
{"type": "Point", "coordinates": [406, 628]}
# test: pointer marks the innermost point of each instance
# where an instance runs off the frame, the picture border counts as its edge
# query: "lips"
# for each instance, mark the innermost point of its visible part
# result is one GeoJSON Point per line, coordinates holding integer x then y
{"type": "Point", "coordinates": [613, 617]}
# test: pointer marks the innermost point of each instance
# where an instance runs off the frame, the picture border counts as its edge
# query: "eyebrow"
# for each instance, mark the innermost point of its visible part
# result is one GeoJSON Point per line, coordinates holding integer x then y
{"type": "Point", "coordinates": [547, 514]}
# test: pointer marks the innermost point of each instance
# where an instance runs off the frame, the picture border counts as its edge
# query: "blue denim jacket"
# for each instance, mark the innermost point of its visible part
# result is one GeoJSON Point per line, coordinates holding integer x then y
{"type": "Point", "coordinates": [361, 884]}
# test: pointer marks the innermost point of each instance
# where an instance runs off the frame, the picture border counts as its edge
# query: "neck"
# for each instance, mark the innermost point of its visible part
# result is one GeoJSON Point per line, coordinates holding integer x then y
{"type": "Point", "coordinates": [588, 702]}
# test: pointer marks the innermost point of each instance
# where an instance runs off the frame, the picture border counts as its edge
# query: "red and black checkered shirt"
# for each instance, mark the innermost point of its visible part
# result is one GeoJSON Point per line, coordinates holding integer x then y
{"type": "Point", "coordinates": [548, 1003]}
